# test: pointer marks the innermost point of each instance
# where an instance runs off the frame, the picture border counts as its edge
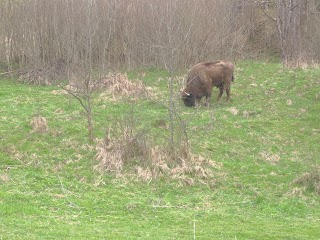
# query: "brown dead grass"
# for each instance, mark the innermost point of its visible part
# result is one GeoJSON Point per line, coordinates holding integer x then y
{"type": "Point", "coordinates": [39, 124]}
{"type": "Point", "coordinates": [270, 157]}
{"type": "Point", "coordinates": [134, 156]}
{"type": "Point", "coordinates": [118, 83]}
{"type": "Point", "coordinates": [4, 178]}
{"type": "Point", "coordinates": [309, 181]}
{"type": "Point", "coordinates": [113, 87]}
{"type": "Point", "coordinates": [113, 153]}
{"type": "Point", "coordinates": [233, 110]}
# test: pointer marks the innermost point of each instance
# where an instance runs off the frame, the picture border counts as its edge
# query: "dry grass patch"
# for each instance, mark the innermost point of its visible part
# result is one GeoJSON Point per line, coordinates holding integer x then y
{"type": "Point", "coordinates": [4, 178]}
{"type": "Point", "coordinates": [270, 157]}
{"type": "Point", "coordinates": [116, 86]}
{"type": "Point", "coordinates": [233, 111]}
{"type": "Point", "coordinates": [309, 181]}
{"type": "Point", "coordinates": [113, 152]}
{"type": "Point", "coordinates": [113, 86]}
{"type": "Point", "coordinates": [118, 83]}
{"type": "Point", "coordinates": [39, 124]}
{"type": "Point", "coordinates": [133, 155]}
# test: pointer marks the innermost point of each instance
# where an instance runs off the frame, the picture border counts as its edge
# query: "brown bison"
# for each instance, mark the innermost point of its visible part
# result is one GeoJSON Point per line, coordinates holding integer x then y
{"type": "Point", "coordinates": [201, 79]}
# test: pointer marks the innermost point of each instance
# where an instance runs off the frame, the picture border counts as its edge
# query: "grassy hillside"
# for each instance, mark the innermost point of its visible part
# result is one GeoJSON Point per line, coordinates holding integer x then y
{"type": "Point", "coordinates": [265, 144]}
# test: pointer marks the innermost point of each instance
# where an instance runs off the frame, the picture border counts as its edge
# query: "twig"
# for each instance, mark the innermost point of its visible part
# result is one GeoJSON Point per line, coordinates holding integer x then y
{"type": "Point", "coordinates": [65, 193]}
{"type": "Point", "coordinates": [265, 12]}
{"type": "Point", "coordinates": [194, 228]}
{"type": "Point", "coordinates": [168, 206]}
{"type": "Point", "coordinates": [75, 96]}
{"type": "Point", "coordinates": [8, 72]}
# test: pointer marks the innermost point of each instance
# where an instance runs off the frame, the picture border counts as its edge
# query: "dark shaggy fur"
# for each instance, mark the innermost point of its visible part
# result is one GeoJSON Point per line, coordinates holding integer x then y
{"type": "Point", "coordinates": [203, 77]}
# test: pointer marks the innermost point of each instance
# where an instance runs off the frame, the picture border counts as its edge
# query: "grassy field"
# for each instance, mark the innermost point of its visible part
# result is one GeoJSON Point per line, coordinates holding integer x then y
{"type": "Point", "coordinates": [265, 142]}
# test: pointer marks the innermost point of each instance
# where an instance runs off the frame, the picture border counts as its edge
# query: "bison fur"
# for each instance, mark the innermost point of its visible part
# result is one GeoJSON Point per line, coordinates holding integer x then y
{"type": "Point", "coordinates": [203, 77]}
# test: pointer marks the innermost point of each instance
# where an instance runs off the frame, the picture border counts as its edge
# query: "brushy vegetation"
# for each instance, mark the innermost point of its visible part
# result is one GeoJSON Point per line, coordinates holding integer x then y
{"type": "Point", "coordinates": [255, 175]}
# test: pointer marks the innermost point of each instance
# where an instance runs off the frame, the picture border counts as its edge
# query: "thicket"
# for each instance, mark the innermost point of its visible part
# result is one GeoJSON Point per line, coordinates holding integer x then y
{"type": "Point", "coordinates": [39, 34]}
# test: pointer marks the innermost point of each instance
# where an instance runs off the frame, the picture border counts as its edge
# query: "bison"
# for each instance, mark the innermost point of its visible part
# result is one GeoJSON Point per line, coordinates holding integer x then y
{"type": "Point", "coordinates": [201, 79]}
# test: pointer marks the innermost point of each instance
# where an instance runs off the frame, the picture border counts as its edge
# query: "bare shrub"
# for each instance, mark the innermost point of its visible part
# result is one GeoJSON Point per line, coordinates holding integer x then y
{"type": "Point", "coordinates": [39, 124]}
{"type": "Point", "coordinates": [83, 83]}
{"type": "Point", "coordinates": [47, 74]}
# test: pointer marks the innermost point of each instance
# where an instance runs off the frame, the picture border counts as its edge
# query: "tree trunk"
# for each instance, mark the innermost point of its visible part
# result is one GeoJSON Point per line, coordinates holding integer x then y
{"type": "Point", "coordinates": [289, 25]}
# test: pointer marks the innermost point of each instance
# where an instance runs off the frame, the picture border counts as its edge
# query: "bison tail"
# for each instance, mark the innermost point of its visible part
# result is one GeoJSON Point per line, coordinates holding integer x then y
{"type": "Point", "coordinates": [232, 79]}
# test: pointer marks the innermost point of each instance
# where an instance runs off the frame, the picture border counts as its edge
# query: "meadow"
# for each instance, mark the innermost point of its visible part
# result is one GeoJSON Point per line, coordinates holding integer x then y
{"type": "Point", "coordinates": [264, 145]}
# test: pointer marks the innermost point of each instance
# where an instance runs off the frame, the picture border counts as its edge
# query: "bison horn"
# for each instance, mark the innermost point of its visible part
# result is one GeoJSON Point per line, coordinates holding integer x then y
{"type": "Point", "coordinates": [187, 94]}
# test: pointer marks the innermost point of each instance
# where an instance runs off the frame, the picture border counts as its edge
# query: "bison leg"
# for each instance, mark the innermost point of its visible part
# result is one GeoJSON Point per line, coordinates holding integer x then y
{"type": "Point", "coordinates": [221, 92]}
{"type": "Point", "coordinates": [228, 93]}
{"type": "Point", "coordinates": [208, 100]}
{"type": "Point", "coordinates": [197, 102]}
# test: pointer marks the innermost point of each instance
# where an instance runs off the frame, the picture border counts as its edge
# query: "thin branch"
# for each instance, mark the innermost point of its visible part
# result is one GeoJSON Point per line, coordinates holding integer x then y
{"type": "Point", "coordinates": [194, 227]}
{"type": "Point", "coordinates": [66, 194]}
{"type": "Point", "coordinates": [264, 11]}
{"type": "Point", "coordinates": [75, 95]}
{"type": "Point", "coordinates": [8, 72]}
{"type": "Point", "coordinates": [297, 5]}
{"type": "Point", "coordinates": [168, 206]}
{"type": "Point", "coordinates": [182, 124]}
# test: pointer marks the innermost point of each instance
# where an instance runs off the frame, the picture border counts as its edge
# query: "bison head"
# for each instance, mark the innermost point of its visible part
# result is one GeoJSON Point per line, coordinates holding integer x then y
{"type": "Point", "coordinates": [188, 99]}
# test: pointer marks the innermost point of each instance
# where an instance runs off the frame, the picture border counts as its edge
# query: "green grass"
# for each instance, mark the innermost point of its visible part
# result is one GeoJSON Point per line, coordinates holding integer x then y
{"type": "Point", "coordinates": [265, 138]}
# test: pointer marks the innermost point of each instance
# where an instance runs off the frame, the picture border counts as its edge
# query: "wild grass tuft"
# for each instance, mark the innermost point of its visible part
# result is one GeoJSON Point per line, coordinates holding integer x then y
{"type": "Point", "coordinates": [39, 124]}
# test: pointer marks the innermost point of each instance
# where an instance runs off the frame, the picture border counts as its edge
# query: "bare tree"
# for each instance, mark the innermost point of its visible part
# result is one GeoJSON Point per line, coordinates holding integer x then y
{"type": "Point", "coordinates": [289, 28]}
{"type": "Point", "coordinates": [296, 24]}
